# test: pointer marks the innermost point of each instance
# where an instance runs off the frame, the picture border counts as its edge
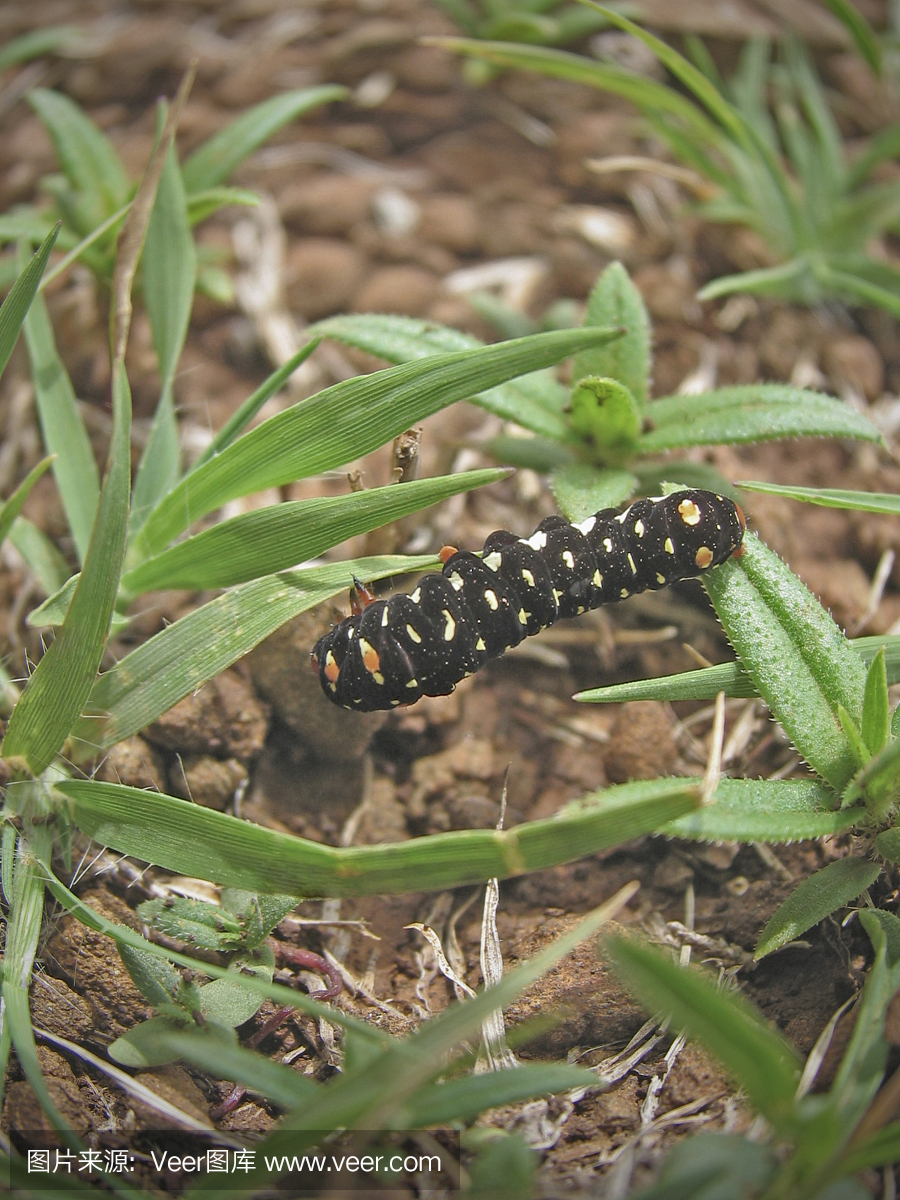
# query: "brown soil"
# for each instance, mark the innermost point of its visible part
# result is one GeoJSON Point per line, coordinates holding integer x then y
{"type": "Point", "coordinates": [378, 207]}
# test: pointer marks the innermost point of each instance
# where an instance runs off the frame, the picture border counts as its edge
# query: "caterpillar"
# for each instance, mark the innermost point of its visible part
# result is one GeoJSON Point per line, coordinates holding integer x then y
{"type": "Point", "coordinates": [422, 644]}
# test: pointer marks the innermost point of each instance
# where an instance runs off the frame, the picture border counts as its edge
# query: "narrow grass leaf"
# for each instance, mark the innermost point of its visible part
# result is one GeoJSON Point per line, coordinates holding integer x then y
{"type": "Point", "coordinates": [348, 420]}
{"type": "Point", "coordinates": [816, 898]}
{"type": "Point", "coordinates": [876, 716]}
{"type": "Point", "coordinates": [17, 302]}
{"type": "Point", "coordinates": [184, 655]}
{"type": "Point", "coordinates": [880, 502]}
{"type": "Point", "coordinates": [86, 155]}
{"type": "Point", "coordinates": [464, 1099]}
{"type": "Point", "coordinates": [856, 287]}
{"type": "Point", "coordinates": [35, 44]}
{"type": "Point", "coordinates": [170, 274]}
{"type": "Point", "coordinates": [214, 161]}
{"type": "Point", "coordinates": [613, 302]}
{"type": "Point", "coordinates": [864, 36]}
{"type": "Point", "coordinates": [581, 490]}
{"type": "Point", "coordinates": [208, 201]}
{"type": "Point", "coordinates": [750, 413]}
{"type": "Point", "coordinates": [535, 402]}
{"type": "Point", "coordinates": [59, 688]}
{"type": "Point", "coordinates": [882, 1149]}
{"type": "Point", "coordinates": [211, 845]}
{"type": "Point", "coordinates": [62, 428]}
{"type": "Point", "coordinates": [799, 661]}
{"type": "Point", "coordinates": [242, 417]}
{"type": "Point", "coordinates": [272, 539]}
{"type": "Point", "coordinates": [12, 507]}
{"type": "Point", "coordinates": [758, 1057]}
{"type": "Point", "coordinates": [40, 554]}
{"type": "Point", "coordinates": [772, 811]}
{"type": "Point", "coordinates": [729, 678]}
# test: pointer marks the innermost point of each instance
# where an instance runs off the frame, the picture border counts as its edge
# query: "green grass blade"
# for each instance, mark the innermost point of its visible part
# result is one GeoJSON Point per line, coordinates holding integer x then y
{"type": "Point", "coordinates": [35, 44]}
{"type": "Point", "coordinates": [877, 502]}
{"type": "Point", "coordinates": [86, 155]}
{"type": "Point", "coordinates": [761, 810]}
{"type": "Point", "coordinates": [864, 37]}
{"type": "Point", "coordinates": [17, 303]}
{"type": "Point", "coordinates": [882, 1149]}
{"type": "Point", "coordinates": [58, 690]}
{"type": "Point", "coordinates": [62, 427]}
{"type": "Point", "coordinates": [10, 510]}
{"type": "Point", "coordinates": [348, 420]}
{"type": "Point", "coordinates": [799, 661]}
{"type": "Point", "coordinates": [272, 539]}
{"type": "Point", "coordinates": [535, 402]}
{"type": "Point", "coordinates": [184, 655]}
{"type": "Point", "coordinates": [212, 845]}
{"type": "Point", "coordinates": [214, 161]}
{"type": "Point", "coordinates": [758, 1057]}
{"type": "Point", "coordinates": [645, 93]}
{"type": "Point", "coordinates": [857, 287]}
{"type": "Point", "coordinates": [239, 420]}
{"type": "Point", "coordinates": [170, 274]}
{"type": "Point", "coordinates": [816, 898]}
{"type": "Point", "coordinates": [788, 280]}
{"type": "Point", "coordinates": [40, 554]}
{"type": "Point", "coordinates": [729, 678]}
{"type": "Point", "coordinates": [750, 413]}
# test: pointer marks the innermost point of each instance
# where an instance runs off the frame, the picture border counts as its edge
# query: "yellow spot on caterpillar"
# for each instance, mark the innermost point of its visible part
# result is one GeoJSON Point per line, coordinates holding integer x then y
{"type": "Point", "coordinates": [624, 593]}
{"type": "Point", "coordinates": [332, 670]}
{"type": "Point", "coordinates": [449, 625]}
{"type": "Point", "coordinates": [660, 578]}
{"type": "Point", "coordinates": [597, 579]}
{"type": "Point", "coordinates": [558, 595]}
{"type": "Point", "coordinates": [413, 683]}
{"type": "Point", "coordinates": [523, 617]}
{"type": "Point", "coordinates": [528, 577]}
{"type": "Point", "coordinates": [631, 564]}
{"type": "Point", "coordinates": [493, 561]}
{"type": "Point", "coordinates": [378, 677]}
{"type": "Point", "coordinates": [456, 581]}
{"type": "Point", "coordinates": [569, 559]}
{"type": "Point", "coordinates": [639, 528]}
{"type": "Point", "coordinates": [491, 598]}
{"type": "Point", "coordinates": [703, 557]}
{"type": "Point", "coordinates": [370, 658]}
{"type": "Point", "coordinates": [668, 546]}
{"type": "Point", "coordinates": [480, 644]}
{"type": "Point", "coordinates": [689, 512]}
{"type": "Point", "coordinates": [414, 634]}
{"type": "Point", "coordinates": [384, 618]}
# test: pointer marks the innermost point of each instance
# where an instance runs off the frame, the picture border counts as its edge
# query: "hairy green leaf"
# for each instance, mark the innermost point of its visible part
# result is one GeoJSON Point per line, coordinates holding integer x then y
{"type": "Point", "coordinates": [816, 898]}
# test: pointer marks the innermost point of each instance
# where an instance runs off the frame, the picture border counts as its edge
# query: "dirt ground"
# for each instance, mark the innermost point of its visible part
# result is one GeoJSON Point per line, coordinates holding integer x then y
{"type": "Point", "coordinates": [383, 203]}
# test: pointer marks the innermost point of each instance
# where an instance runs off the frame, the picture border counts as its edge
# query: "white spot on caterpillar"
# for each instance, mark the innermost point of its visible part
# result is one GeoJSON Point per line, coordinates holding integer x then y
{"type": "Point", "coordinates": [597, 580]}
{"type": "Point", "coordinates": [639, 528]}
{"type": "Point", "coordinates": [668, 546]}
{"type": "Point", "coordinates": [703, 557]}
{"type": "Point", "coordinates": [414, 634]}
{"type": "Point", "coordinates": [491, 598]}
{"type": "Point", "coordinates": [528, 577]}
{"type": "Point", "coordinates": [631, 564]}
{"type": "Point", "coordinates": [660, 578]}
{"type": "Point", "coordinates": [493, 561]}
{"type": "Point", "coordinates": [569, 559]}
{"type": "Point", "coordinates": [537, 541]}
{"type": "Point", "coordinates": [523, 616]}
{"type": "Point", "coordinates": [607, 545]}
{"type": "Point", "coordinates": [413, 683]}
{"type": "Point", "coordinates": [449, 625]}
{"type": "Point", "coordinates": [384, 618]}
{"type": "Point", "coordinates": [689, 512]}
{"type": "Point", "coordinates": [351, 632]}
{"type": "Point", "coordinates": [416, 596]}
{"type": "Point", "coordinates": [586, 526]}
{"type": "Point", "coordinates": [624, 593]}
{"type": "Point", "coordinates": [456, 581]}
{"type": "Point", "coordinates": [480, 644]}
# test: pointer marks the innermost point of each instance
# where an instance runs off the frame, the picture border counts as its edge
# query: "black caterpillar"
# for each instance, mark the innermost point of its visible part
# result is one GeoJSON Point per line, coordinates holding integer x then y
{"type": "Point", "coordinates": [424, 643]}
